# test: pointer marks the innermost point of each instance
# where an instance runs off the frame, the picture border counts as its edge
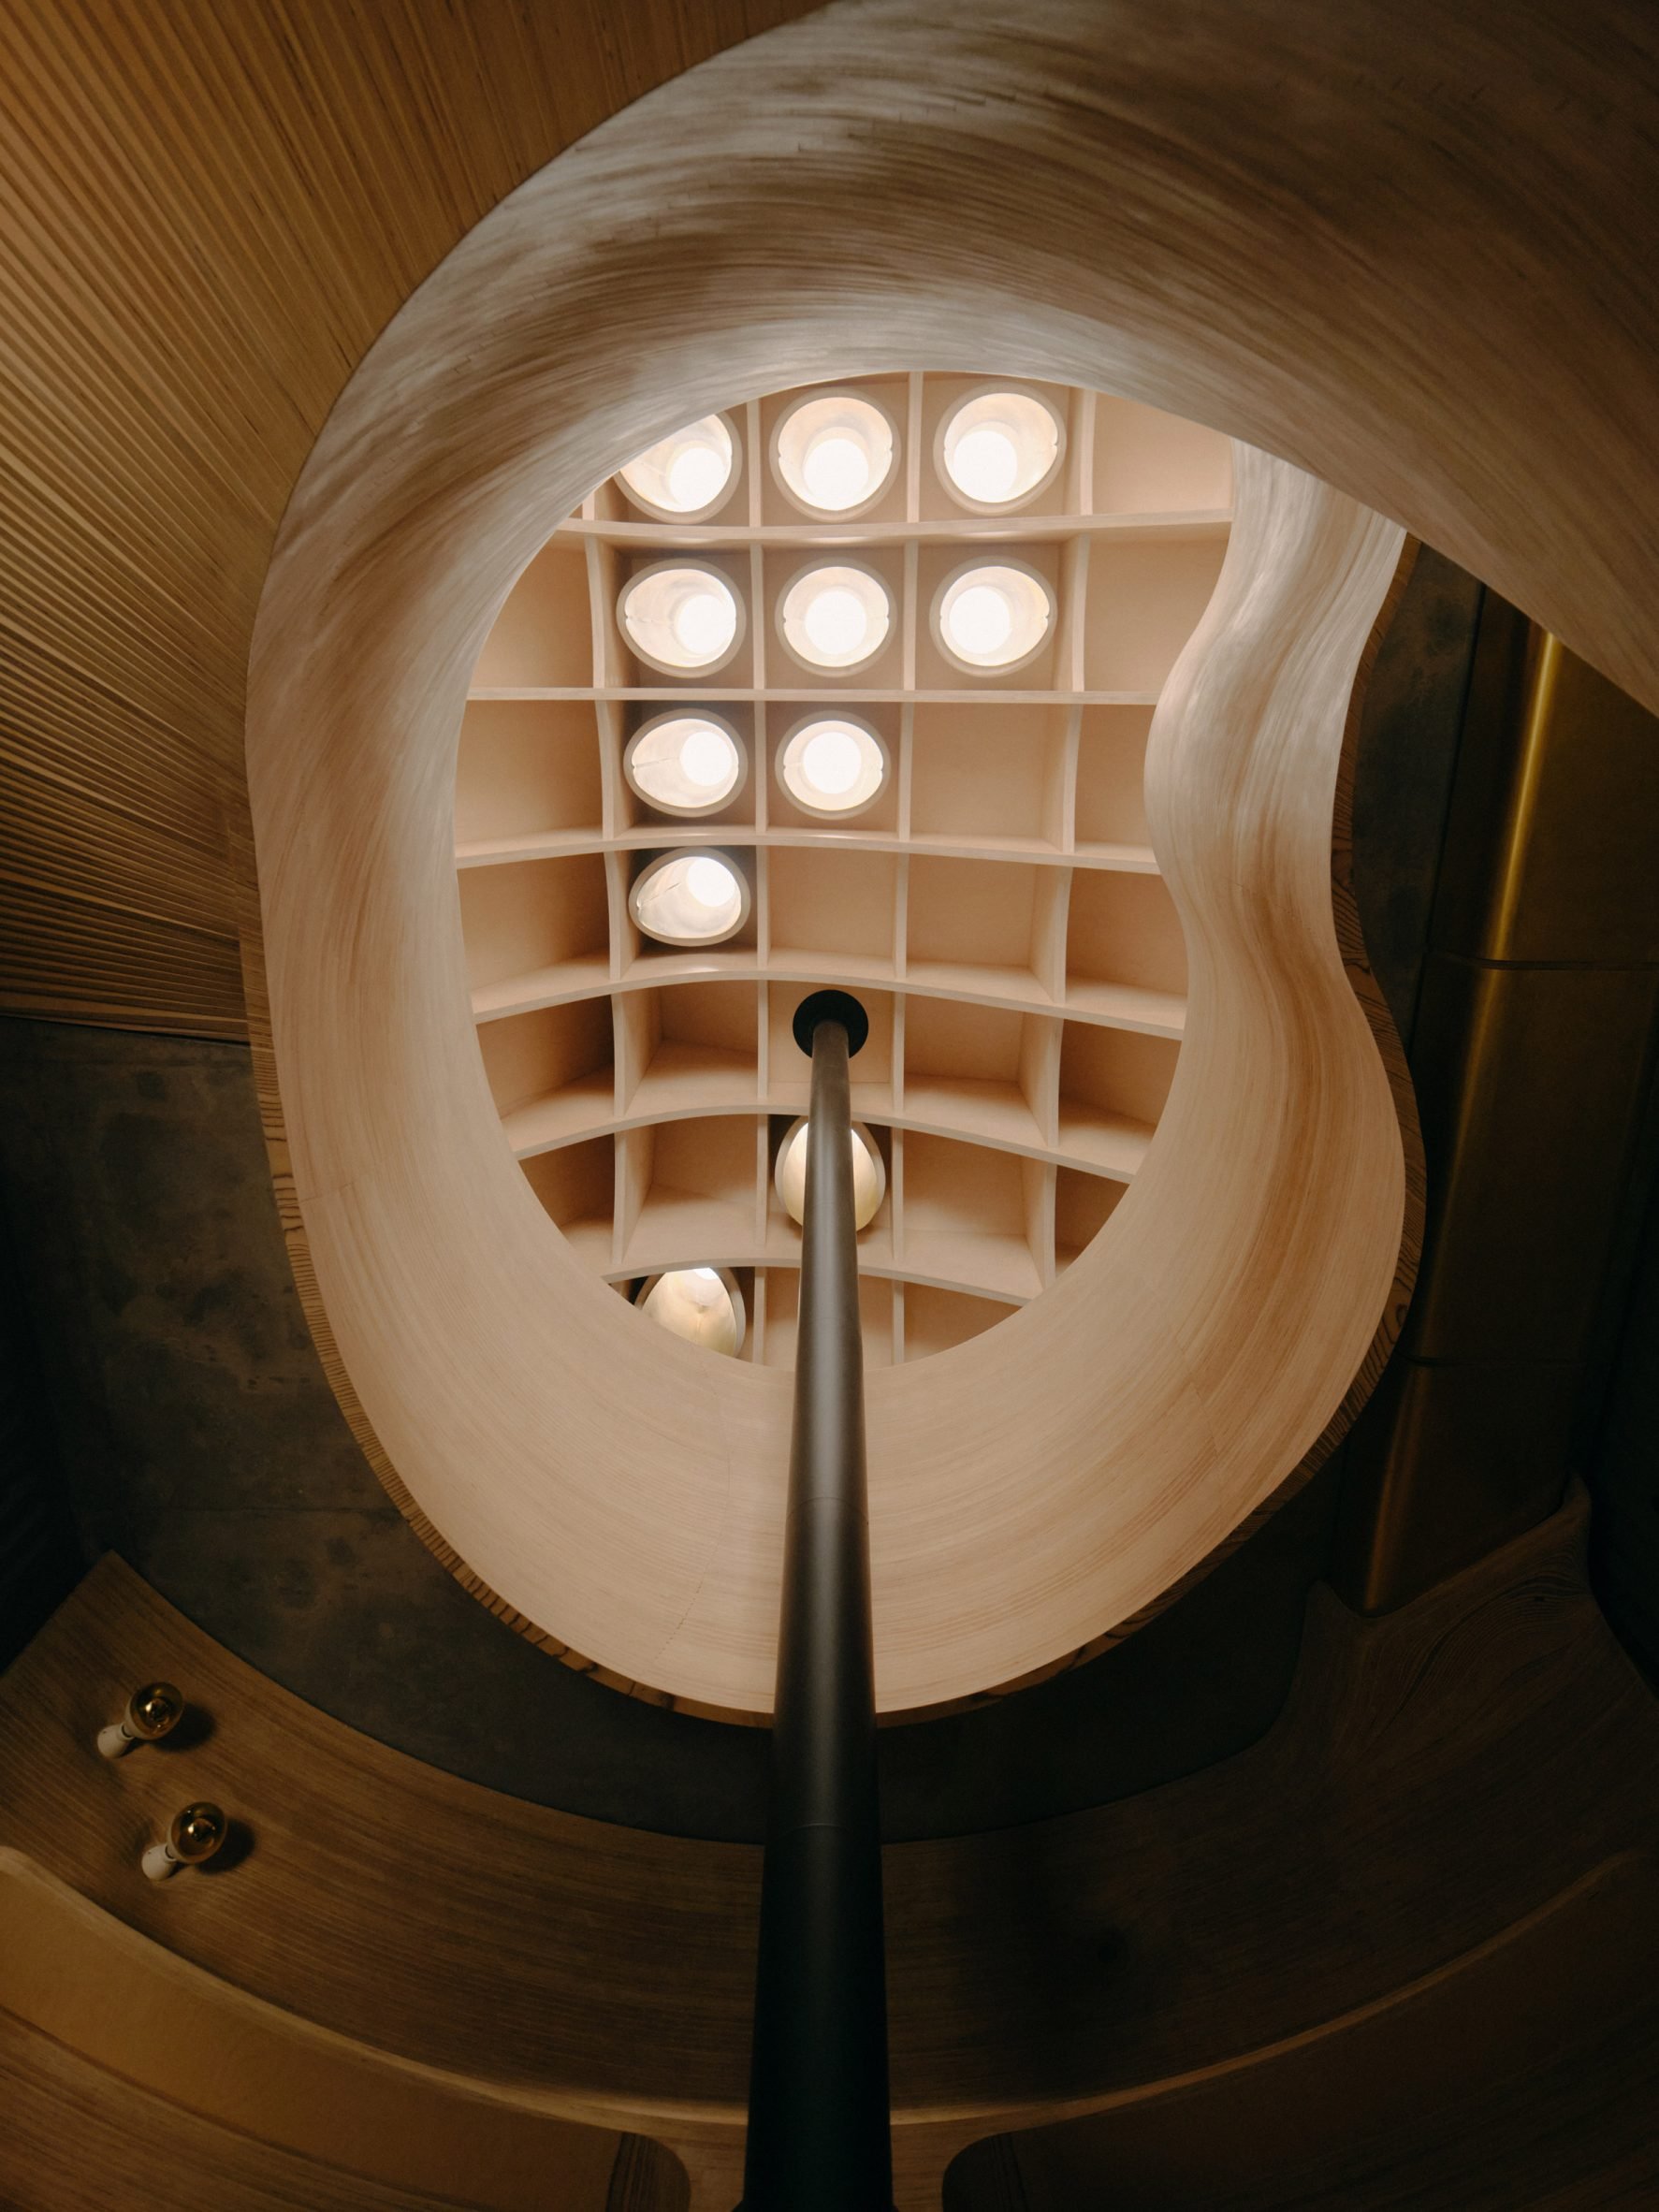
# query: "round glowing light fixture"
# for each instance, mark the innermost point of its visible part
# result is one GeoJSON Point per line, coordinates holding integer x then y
{"type": "Point", "coordinates": [998, 448]}
{"type": "Point", "coordinates": [992, 616]}
{"type": "Point", "coordinates": [831, 765]}
{"type": "Point", "coordinates": [686, 763]}
{"type": "Point", "coordinates": [684, 477]}
{"type": "Point", "coordinates": [690, 898]}
{"type": "Point", "coordinates": [681, 617]}
{"type": "Point", "coordinates": [834, 453]}
{"type": "Point", "coordinates": [703, 1304]}
{"type": "Point", "coordinates": [870, 1174]}
{"type": "Point", "coordinates": [834, 616]}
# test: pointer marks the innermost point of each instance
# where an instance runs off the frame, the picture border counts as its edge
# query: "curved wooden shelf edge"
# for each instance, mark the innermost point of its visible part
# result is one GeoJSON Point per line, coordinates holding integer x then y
{"type": "Point", "coordinates": [1104, 1006]}
{"type": "Point", "coordinates": [1130, 1139]}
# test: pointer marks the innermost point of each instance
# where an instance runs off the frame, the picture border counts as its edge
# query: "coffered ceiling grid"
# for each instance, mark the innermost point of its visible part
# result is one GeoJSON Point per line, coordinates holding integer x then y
{"type": "Point", "coordinates": [998, 907]}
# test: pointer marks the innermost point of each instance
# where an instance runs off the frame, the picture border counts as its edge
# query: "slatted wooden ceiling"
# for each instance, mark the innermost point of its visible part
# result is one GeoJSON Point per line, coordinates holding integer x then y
{"type": "Point", "coordinates": [209, 209]}
{"type": "Point", "coordinates": [212, 210]}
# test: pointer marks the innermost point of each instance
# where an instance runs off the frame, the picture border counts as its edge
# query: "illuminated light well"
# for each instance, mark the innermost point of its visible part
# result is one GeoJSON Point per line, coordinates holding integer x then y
{"type": "Point", "coordinates": [836, 617]}
{"type": "Point", "coordinates": [834, 453]}
{"type": "Point", "coordinates": [831, 765]}
{"type": "Point", "coordinates": [690, 898]}
{"type": "Point", "coordinates": [686, 763]}
{"type": "Point", "coordinates": [998, 448]}
{"type": "Point", "coordinates": [869, 1173]}
{"type": "Point", "coordinates": [991, 615]}
{"type": "Point", "coordinates": [702, 1304]}
{"type": "Point", "coordinates": [681, 617]}
{"type": "Point", "coordinates": [687, 476]}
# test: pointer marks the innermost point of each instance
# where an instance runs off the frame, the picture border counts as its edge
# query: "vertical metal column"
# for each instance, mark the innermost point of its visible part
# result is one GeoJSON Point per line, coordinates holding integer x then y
{"type": "Point", "coordinates": [820, 2135]}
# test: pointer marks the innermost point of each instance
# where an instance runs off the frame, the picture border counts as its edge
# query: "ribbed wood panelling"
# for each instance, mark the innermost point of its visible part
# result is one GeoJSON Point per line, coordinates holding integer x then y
{"type": "Point", "coordinates": [208, 211]}
{"type": "Point", "coordinates": [209, 208]}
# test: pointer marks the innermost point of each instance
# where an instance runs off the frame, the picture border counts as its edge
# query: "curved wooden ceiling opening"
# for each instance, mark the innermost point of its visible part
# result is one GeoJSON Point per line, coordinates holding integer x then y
{"type": "Point", "coordinates": [615, 1492]}
{"type": "Point", "coordinates": [996, 901]}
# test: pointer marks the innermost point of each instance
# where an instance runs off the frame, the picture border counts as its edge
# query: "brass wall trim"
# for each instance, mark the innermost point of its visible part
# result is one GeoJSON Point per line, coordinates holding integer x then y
{"type": "Point", "coordinates": [1531, 1051]}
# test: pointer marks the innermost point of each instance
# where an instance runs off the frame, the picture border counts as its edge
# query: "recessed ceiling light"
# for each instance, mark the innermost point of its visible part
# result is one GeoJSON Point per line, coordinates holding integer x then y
{"type": "Point", "coordinates": [831, 765]}
{"type": "Point", "coordinates": [836, 617]}
{"type": "Point", "coordinates": [690, 898]}
{"type": "Point", "coordinates": [681, 617]}
{"type": "Point", "coordinates": [702, 1304]}
{"type": "Point", "coordinates": [686, 475]}
{"type": "Point", "coordinates": [998, 448]}
{"type": "Point", "coordinates": [835, 452]}
{"type": "Point", "coordinates": [685, 763]}
{"type": "Point", "coordinates": [869, 1173]}
{"type": "Point", "coordinates": [991, 615]}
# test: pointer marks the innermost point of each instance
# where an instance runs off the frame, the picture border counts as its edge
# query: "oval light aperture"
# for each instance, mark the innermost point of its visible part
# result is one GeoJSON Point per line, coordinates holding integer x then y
{"type": "Point", "coordinates": [996, 449]}
{"type": "Point", "coordinates": [687, 476]}
{"type": "Point", "coordinates": [992, 616]}
{"type": "Point", "coordinates": [686, 763]}
{"type": "Point", "coordinates": [834, 617]}
{"type": "Point", "coordinates": [869, 1173]}
{"type": "Point", "coordinates": [701, 1304]}
{"type": "Point", "coordinates": [690, 898]}
{"type": "Point", "coordinates": [831, 765]}
{"type": "Point", "coordinates": [833, 453]}
{"type": "Point", "coordinates": [681, 617]}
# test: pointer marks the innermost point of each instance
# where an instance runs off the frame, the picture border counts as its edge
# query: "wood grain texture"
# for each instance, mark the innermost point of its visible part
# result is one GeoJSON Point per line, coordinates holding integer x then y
{"type": "Point", "coordinates": [1388, 1828]}
{"type": "Point", "coordinates": [604, 1484]}
{"type": "Point", "coordinates": [1519, 2076]}
{"type": "Point", "coordinates": [79, 2138]}
{"type": "Point", "coordinates": [186, 2041]}
{"type": "Point", "coordinates": [213, 207]}
{"type": "Point", "coordinates": [211, 210]}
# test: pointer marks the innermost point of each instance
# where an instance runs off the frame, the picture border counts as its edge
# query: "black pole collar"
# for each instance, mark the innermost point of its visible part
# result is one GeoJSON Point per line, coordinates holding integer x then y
{"type": "Point", "coordinates": [831, 1006]}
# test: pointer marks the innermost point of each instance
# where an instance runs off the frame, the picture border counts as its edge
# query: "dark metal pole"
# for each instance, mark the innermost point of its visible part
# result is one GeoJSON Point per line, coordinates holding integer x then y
{"type": "Point", "coordinates": [820, 2138]}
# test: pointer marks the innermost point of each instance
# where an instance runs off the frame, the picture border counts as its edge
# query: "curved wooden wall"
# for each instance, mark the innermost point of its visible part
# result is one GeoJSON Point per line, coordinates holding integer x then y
{"type": "Point", "coordinates": [1440, 1780]}
{"type": "Point", "coordinates": [609, 1486]}
{"type": "Point", "coordinates": [212, 208]}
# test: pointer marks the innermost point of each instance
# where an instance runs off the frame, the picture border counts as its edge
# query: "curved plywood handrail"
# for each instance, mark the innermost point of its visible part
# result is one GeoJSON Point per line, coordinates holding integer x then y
{"type": "Point", "coordinates": [619, 1493]}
